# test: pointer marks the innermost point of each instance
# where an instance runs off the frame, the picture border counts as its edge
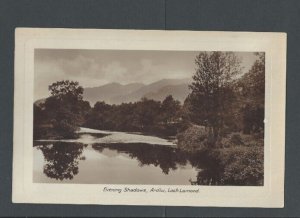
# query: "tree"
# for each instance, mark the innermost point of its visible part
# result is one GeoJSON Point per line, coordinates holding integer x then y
{"type": "Point", "coordinates": [169, 109]}
{"type": "Point", "coordinates": [65, 107]}
{"type": "Point", "coordinates": [66, 89]}
{"type": "Point", "coordinates": [146, 114]}
{"type": "Point", "coordinates": [252, 92]}
{"type": "Point", "coordinates": [100, 117]}
{"type": "Point", "coordinates": [252, 84]}
{"type": "Point", "coordinates": [212, 91]}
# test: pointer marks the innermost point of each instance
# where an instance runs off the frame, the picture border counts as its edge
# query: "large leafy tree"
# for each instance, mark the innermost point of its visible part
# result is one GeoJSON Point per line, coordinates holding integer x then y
{"type": "Point", "coordinates": [212, 91]}
{"type": "Point", "coordinates": [65, 107]}
{"type": "Point", "coordinates": [252, 92]}
{"type": "Point", "coordinates": [252, 84]}
{"type": "Point", "coordinates": [66, 89]}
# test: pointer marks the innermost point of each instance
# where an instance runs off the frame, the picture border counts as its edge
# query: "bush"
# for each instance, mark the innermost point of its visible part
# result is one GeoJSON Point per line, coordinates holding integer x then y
{"type": "Point", "coordinates": [239, 139]}
{"type": "Point", "coordinates": [236, 139]}
{"type": "Point", "coordinates": [242, 165]}
{"type": "Point", "coordinates": [194, 138]}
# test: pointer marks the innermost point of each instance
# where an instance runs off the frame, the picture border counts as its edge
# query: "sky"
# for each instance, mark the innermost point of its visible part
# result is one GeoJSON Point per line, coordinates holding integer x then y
{"type": "Point", "coordinates": [93, 68]}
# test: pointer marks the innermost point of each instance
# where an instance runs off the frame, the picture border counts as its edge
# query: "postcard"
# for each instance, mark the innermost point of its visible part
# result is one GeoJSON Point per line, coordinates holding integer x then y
{"type": "Point", "coordinates": [148, 117]}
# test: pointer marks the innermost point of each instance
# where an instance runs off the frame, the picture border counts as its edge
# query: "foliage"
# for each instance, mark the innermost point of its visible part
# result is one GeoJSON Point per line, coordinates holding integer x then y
{"type": "Point", "coordinates": [253, 118]}
{"type": "Point", "coordinates": [194, 138]}
{"type": "Point", "coordinates": [251, 91]}
{"type": "Point", "coordinates": [169, 110]}
{"type": "Point", "coordinates": [224, 101]}
{"type": "Point", "coordinates": [62, 112]}
{"type": "Point", "coordinates": [146, 115]}
{"type": "Point", "coordinates": [252, 84]}
{"type": "Point", "coordinates": [66, 89]}
{"type": "Point", "coordinates": [242, 165]}
{"type": "Point", "coordinates": [212, 91]}
{"type": "Point", "coordinates": [236, 139]}
{"type": "Point", "coordinates": [233, 166]}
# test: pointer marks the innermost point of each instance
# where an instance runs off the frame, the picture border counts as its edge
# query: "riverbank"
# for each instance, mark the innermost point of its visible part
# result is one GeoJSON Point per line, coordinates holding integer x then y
{"type": "Point", "coordinates": [238, 157]}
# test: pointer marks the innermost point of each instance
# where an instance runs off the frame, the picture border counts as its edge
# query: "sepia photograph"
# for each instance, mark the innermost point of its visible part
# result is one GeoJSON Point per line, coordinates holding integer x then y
{"type": "Point", "coordinates": [148, 117]}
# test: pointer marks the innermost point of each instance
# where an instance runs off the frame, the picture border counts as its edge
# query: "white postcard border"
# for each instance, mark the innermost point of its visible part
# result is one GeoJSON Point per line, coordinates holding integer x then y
{"type": "Point", "coordinates": [269, 195]}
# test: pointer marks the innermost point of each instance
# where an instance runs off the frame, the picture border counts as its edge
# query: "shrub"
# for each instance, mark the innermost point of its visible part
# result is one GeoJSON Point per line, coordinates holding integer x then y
{"type": "Point", "coordinates": [236, 139]}
{"type": "Point", "coordinates": [239, 139]}
{"type": "Point", "coordinates": [242, 165]}
{"type": "Point", "coordinates": [194, 138]}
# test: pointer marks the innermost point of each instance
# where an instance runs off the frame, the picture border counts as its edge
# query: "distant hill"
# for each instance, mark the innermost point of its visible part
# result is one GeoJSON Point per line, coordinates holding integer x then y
{"type": "Point", "coordinates": [108, 92]}
{"type": "Point", "coordinates": [179, 92]}
{"type": "Point", "coordinates": [115, 93]}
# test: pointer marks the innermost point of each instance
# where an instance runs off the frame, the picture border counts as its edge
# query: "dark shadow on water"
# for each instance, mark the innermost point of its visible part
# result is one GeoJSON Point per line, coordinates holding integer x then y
{"type": "Point", "coordinates": [210, 168]}
{"type": "Point", "coordinates": [96, 135]}
{"type": "Point", "coordinates": [166, 158]}
{"type": "Point", "coordinates": [61, 159]}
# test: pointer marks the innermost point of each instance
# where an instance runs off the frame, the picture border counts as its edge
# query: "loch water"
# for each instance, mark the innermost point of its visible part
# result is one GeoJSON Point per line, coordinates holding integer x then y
{"type": "Point", "coordinates": [108, 157]}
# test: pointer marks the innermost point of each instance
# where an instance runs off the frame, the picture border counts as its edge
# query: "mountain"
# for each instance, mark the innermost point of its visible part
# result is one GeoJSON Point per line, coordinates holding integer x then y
{"type": "Point", "coordinates": [108, 92]}
{"type": "Point", "coordinates": [115, 93]}
{"type": "Point", "coordinates": [179, 92]}
{"type": "Point", "coordinates": [157, 91]}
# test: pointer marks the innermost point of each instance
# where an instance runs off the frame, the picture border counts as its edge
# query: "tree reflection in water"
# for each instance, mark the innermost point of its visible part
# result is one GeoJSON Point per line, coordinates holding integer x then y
{"type": "Point", "coordinates": [167, 158]}
{"type": "Point", "coordinates": [62, 159]}
{"type": "Point", "coordinates": [209, 167]}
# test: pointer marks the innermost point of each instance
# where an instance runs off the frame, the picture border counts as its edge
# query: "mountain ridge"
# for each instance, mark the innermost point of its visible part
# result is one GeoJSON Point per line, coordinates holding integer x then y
{"type": "Point", "coordinates": [108, 91]}
{"type": "Point", "coordinates": [153, 88]}
{"type": "Point", "coordinates": [116, 93]}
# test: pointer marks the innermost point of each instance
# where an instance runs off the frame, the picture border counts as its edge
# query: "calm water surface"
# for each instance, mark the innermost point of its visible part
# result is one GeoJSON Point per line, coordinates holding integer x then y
{"type": "Point", "coordinates": [105, 157]}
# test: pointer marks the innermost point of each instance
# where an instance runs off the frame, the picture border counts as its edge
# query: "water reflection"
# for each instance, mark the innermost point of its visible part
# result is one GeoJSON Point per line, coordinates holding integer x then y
{"type": "Point", "coordinates": [166, 158]}
{"type": "Point", "coordinates": [211, 169]}
{"type": "Point", "coordinates": [61, 159]}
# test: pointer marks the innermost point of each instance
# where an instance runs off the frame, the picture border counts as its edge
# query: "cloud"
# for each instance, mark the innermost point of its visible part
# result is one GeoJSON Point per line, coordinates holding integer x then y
{"type": "Point", "coordinates": [114, 71]}
{"type": "Point", "coordinates": [44, 75]}
{"type": "Point", "coordinates": [97, 67]}
{"type": "Point", "coordinates": [79, 66]}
